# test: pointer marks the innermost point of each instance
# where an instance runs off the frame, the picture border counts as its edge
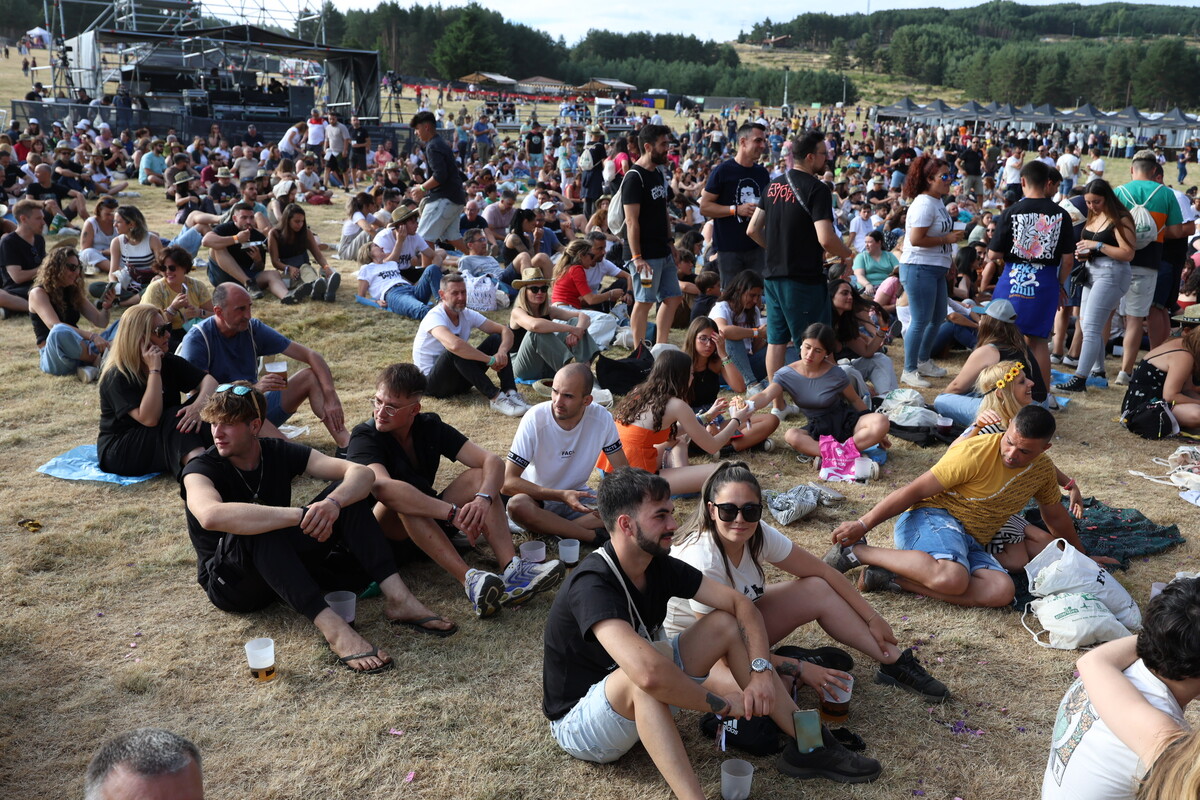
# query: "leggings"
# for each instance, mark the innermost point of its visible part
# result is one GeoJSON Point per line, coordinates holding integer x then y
{"type": "Point", "coordinates": [249, 573]}
{"type": "Point", "coordinates": [453, 374]}
{"type": "Point", "coordinates": [1109, 282]}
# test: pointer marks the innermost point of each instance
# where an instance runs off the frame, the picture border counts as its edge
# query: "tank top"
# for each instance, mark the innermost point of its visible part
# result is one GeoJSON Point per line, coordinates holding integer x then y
{"type": "Point", "coordinates": [138, 258]}
{"type": "Point", "coordinates": [705, 386]}
{"type": "Point", "coordinates": [100, 239]}
{"type": "Point", "coordinates": [68, 315]}
{"type": "Point", "coordinates": [1107, 236]}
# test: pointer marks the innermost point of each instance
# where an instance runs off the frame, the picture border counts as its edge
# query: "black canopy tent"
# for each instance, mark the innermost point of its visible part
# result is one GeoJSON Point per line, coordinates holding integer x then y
{"type": "Point", "coordinates": [936, 110]}
{"type": "Point", "coordinates": [353, 75]}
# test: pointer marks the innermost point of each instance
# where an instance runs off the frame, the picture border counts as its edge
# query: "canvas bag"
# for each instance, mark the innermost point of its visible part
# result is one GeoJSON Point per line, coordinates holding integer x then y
{"type": "Point", "coordinates": [481, 292]}
{"type": "Point", "coordinates": [837, 459]}
{"type": "Point", "coordinates": [616, 208]}
{"type": "Point", "coordinates": [1073, 621]}
{"type": "Point", "coordinates": [1069, 571]}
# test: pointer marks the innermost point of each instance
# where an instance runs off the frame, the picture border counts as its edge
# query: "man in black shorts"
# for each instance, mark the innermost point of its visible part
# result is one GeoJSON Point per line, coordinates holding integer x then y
{"type": "Point", "coordinates": [254, 547]}
{"type": "Point", "coordinates": [360, 146]}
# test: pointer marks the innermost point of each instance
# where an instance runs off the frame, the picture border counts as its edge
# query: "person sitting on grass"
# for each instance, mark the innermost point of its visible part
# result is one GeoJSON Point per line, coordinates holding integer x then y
{"type": "Point", "coordinates": [56, 304]}
{"type": "Point", "coordinates": [253, 546]}
{"type": "Point", "coordinates": [183, 300]}
{"type": "Point", "coordinates": [656, 423]}
{"type": "Point", "coordinates": [443, 352]}
{"type": "Point", "coordinates": [729, 542]}
{"type": "Point", "coordinates": [860, 336]}
{"type": "Point", "coordinates": [1168, 373]}
{"type": "Point", "coordinates": [145, 763]}
{"type": "Point", "coordinates": [1120, 730]}
{"type": "Point", "coordinates": [952, 512]}
{"type": "Point", "coordinates": [403, 447]}
{"type": "Point", "coordinates": [135, 249]}
{"type": "Point", "coordinates": [826, 397]}
{"type": "Point", "coordinates": [227, 346]}
{"type": "Point", "coordinates": [21, 254]}
{"type": "Point", "coordinates": [606, 684]}
{"type": "Point", "coordinates": [290, 243]}
{"type": "Point", "coordinates": [144, 427]}
{"type": "Point", "coordinates": [546, 337]}
{"type": "Point", "coordinates": [710, 365]}
{"type": "Point", "coordinates": [742, 326]}
{"type": "Point", "coordinates": [551, 460]}
{"type": "Point", "coordinates": [238, 254]}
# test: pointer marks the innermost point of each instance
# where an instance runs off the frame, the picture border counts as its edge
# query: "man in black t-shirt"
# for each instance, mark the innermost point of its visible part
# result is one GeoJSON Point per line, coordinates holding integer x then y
{"type": "Point", "coordinates": [649, 251]}
{"type": "Point", "coordinates": [60, 203]}
{"type": "Point", "coordinates": [604, 677]}
{"type": "Point", "coordinates": [970, 161]}
{"type": "Point", "coordinates": [796, 233]}
{"type": "Point", "coordinates": [902, 157]}
{"type": "Point", "coordinates": [21, 253]}
{"type": "Point", "coordinates": [730, 197]}
{"type": "Point", "coordinates": [360, 146]}
{"type": "Point", "coordinates": [410, 508]}
{"type": "Point", "coordinates": [593, 179]}
{"type": "Point", "coordinates": [254, 547]}
{"type": "Point", "coordinates": [238, 254]}
{"type": "Point", "coordinates": [443, 188]}
{"type": "Point", "coordinates": [535, 146]}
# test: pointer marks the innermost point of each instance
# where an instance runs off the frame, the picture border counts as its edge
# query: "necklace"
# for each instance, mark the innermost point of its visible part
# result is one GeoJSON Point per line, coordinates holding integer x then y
{"type": "Point", "coordinates": [258, 486]}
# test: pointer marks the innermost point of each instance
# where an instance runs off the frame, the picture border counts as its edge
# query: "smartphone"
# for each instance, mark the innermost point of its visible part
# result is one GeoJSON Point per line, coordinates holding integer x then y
{"type": "Point", "coordinates": [808, 730]}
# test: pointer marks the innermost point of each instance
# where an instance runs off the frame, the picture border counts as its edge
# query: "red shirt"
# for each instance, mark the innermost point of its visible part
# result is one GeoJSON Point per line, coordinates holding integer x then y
{"type": "Point", "coordinates": [570, 287]}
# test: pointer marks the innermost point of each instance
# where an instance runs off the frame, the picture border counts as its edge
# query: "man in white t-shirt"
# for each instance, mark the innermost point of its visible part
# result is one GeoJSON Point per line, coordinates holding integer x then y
{"type": "Point", "coordinates": [1011, 175]}
{"type": "Point", "coordinates": [1068, 167]}
{"type": "Point", "coordinates": [401, 243]}
{"type": "Point", "coordinates": [552, 456]}
{"type": "Point", "coordinates": [1096, 167]}
{"type": "Point", "coordinates": [1100, 747]}
{"type": "Point", "coordinates": [442, 351]}
{"type": "Point", "coordinates": [860, 226]}
{"type": "Point", "coordinates": [602, 268]}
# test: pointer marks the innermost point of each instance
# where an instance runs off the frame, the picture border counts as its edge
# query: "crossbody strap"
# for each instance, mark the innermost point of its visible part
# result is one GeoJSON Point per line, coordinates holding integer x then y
{"type": "Point", "coordinates": [643, 631]}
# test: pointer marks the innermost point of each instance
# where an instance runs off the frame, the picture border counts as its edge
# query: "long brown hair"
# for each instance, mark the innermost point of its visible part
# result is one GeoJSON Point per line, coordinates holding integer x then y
{"type": "Point", "coordinates": [1001, 334]}
{"type": "Point", "coordinates": [49, 277]}
{"type": "Point", "coordinates": [921, 174]}
{"type": "Point", "coordinates": [703, 523]}
{"type": "Point", "coordinates": [668, 378]}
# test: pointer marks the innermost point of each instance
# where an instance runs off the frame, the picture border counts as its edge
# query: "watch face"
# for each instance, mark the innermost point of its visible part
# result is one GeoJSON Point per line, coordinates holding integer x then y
{"type": "Point", "coordinates": [760, 665]}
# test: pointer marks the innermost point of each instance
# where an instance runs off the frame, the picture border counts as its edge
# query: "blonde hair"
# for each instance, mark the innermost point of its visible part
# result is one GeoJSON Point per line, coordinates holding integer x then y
{"type": "Point", "coordinates": [998, 398]}
{"type": "Point", "coordinates": [125, 355]}
{"type": "Point", "coordinates": [1175, 774]}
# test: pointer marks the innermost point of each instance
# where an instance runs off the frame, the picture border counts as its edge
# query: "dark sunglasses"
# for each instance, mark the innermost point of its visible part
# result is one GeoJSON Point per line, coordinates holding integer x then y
{"type": "Point", "coordinates": [944, 178]}
{"type": "Point", "coordinates": [73, 266]}
{"type": "Point", "coordinates": [240, 391]}
{"type": "Point", "coordinates": [169, 267]}
{"type": "Point", "coordinates": [751, 512]}
{"type": "Point", "coordinates": [537, 289]}
{"type": "Point", "coordinates": [163, 330]}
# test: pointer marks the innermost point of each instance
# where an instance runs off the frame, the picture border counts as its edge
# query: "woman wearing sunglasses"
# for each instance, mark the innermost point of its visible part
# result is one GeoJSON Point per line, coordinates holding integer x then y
{"type": "Point", "coordinates": [182, 299]}
{"type": "Point", "coordinates": [144, 426]}
{"type": "Point", "coordinates": [57, 303]}
{"type": "Point", "coordinates": [710, 365]}
{"type": "Point", "coordinates": [546, 337]}
{"type": "Point", "coordinates": [729, 543]}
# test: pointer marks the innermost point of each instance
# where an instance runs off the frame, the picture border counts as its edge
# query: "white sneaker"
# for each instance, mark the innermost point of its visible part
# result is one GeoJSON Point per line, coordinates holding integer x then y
{"type": "Point", "coordinates": [755, 388]}
{"type": "Point", "coordinates": [767, 445]}
{"type": "Point", "coordinates": [914, 379]}
{"type": "Point", "coordinates": [1122, 378]}
{"type": "Point", "coordinates": [67, 230]}
{"type": "Point", "coordinates": [1070, 362]}
{"type": "Point", "coordinates": [1055, 359]}
{"type": "Point", "coordinates": [87, 374]}
{"type": "Point", "coordinates": [929, 369]}
{"type": "Point", "coordinates": [506, 406]}
{"type": "Point", "coordinates": [515, 397]}
{"type": "Point", "coordinates": [790, 410]}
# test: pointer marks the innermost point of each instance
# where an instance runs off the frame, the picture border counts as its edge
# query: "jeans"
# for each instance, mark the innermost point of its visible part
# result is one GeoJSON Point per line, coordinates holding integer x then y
{"type": "Point", "coordinates": [188, 239]}
{"type": "Point", "coordinates": [878, 371]}
{"type": "Point", "coordinates": [962, 408]}
{"type": "Point", "coordinates": [926, 288]}
{"type": "Point", "coordinates": [1109, 281]}
{"type": "Point", "coordinates": [752, 366]}
{"type": "Point", "coordinates": [64, 346]}
{"type": "Point", "coordinates": [412, 300]}
{"type": "Point", "coordinates": [949, 334]}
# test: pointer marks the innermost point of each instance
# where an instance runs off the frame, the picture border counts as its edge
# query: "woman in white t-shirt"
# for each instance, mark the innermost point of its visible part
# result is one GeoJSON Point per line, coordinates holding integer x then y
{"type": "Point", "coordinates": [729, 544]}
{"type": "Point", "coordinates": [359, 227]}
{"type": "Point", "coordinates": [737, 317]}
{"type": "Point", "coordinates": [929, 239]}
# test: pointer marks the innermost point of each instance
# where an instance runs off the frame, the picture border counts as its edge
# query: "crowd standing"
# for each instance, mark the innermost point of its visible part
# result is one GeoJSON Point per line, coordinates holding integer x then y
{"type": "Point", "coordinates": [794, 251]}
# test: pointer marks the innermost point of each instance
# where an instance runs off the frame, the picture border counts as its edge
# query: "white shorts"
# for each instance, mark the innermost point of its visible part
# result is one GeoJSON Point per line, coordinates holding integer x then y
{"type": "Point", "coordinates": [1141, 291]}
{"type": "Point", "coordinates": [439, 221]}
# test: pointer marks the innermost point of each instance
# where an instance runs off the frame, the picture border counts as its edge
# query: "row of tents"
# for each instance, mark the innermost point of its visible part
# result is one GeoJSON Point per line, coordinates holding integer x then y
{"type": "Point", "coordinates": [1087, 114]}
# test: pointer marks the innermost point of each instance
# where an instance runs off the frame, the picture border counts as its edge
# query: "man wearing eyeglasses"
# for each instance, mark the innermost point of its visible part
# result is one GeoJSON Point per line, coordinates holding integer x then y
{"type": "Point", "coordinates": [227, 346]}
{"type": "Point", "coordinates": [404, 447]}
{"type": "Point", "coordinates": [253, 546]}
{"type": "Point", "coordinates": [551, 460]}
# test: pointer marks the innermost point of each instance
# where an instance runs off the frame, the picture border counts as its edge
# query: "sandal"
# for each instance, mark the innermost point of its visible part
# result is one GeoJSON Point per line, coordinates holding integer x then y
{"type": "Point", "coordinates": [420, 626]}
{"type": "Point", "coordinates": [345, 662]}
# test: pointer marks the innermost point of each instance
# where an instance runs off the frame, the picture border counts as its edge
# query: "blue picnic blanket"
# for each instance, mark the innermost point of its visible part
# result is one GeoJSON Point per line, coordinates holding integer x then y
{"type": "Point", "coordinates": [82, 464]}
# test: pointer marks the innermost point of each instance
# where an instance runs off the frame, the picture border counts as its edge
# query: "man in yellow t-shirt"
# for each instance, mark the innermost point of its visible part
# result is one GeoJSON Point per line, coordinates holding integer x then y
{"type": "Point", "coordinates": [951, 512]}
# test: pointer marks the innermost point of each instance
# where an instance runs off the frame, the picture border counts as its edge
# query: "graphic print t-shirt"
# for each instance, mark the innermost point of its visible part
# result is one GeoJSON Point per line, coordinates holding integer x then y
{"type": "Point", "coordinates": [1034, 231]}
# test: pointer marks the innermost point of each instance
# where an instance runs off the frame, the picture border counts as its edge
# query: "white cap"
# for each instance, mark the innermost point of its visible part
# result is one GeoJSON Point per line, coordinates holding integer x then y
{"type": "Point", "coordinates": [546, 206]}
{"type": "Point", "coordinates": [33, 121]}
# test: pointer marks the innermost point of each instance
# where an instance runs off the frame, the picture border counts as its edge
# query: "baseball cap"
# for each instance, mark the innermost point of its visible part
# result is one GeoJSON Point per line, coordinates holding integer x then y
{"type": "Point", "coordinates": [1002, 310]}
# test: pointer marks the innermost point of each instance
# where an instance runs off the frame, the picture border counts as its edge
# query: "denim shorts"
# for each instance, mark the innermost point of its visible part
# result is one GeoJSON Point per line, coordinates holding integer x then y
{"type": "Point", "coordinates": [936, 532]}
{"type": "Point", "coordinates": [276, 414]}
{"type": "Point", "coordinates": [594, 731]}
{"type": "Point", "coordinates": [439, 220]}
{"type": "Point", "coordinates": [665, 282]}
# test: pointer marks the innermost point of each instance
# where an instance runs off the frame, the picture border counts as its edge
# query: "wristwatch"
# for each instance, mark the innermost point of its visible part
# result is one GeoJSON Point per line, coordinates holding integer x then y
{"type": "Point", "coordinates": [485, 496]}
{"type": "Point", "coordinates": [760, 665]}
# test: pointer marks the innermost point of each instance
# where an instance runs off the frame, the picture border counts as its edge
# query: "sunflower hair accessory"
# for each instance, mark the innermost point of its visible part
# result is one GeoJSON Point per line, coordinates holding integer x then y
{"type": "Point", "coordinates": [1008, 378]}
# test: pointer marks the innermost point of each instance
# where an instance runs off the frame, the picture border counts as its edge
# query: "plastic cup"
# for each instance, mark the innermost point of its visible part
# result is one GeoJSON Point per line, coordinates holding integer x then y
{"type": "Point", "coordinates": [533, 551]}
{"type": "Point", "coordinates": [865, 469]}
{"type": "Point", "coordinates": [1156, 588]}
{"type": "Point", "coordinates": [834, 703]}
{"type": "Point", "coordinates": [279, 368]}
{"type": "Point", "coordinates": [944, 424]}
{"type": "Point", "coordinates": [568, 552]}
{"type": "Point", "coordinates": [342, 604]}
{"type": "Point", "coordinates": [260, 654]}
{"type": "Point", "coordinates": [736, 777]}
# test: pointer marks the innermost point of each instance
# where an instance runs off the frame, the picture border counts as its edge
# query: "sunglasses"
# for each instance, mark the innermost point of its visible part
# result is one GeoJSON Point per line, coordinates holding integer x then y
{"type": "Point", "coordinates": [536, 289]}
{"type": "Point", "coordinates": [944, 178]}
{"type": "Point", "coordinates": [164, 329]}
{"type": "Point", "coordinates": [72, 266]}
{"type": "Point", "coordinates": [239, 391]}
{"type": "Point", "coordinates": [727, 512]}
{"type": "Point", "coordinates": [169, 267]}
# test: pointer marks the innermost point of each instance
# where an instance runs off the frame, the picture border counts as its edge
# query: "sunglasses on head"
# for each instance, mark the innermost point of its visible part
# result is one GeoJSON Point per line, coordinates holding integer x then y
{"type": "Point", "coordinates": [727, 512]}
{"type": "Point", "coordinates": [239, 391]}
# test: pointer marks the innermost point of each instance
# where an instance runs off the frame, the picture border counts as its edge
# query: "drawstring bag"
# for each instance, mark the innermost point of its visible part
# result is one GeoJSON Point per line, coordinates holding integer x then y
{"type": "Point", "coordinates": [1183, 469]}
{"type": "Point", "coordinates": [1068, 571]}
{"type": "Point", "coordinates": [1073, 621]}
{"type": "Point", "coordinates": [837, 459]}
{"type": "Point", "coordinates": [794, 504]}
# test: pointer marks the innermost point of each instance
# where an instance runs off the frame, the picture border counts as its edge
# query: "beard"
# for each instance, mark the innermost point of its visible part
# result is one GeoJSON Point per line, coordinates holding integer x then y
{"type": "Point", "coordinates": [649, 545]}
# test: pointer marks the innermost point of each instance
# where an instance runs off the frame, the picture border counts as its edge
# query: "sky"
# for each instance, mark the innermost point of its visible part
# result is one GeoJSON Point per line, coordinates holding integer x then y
{"type": "Point", "coordinates": [705, 19]}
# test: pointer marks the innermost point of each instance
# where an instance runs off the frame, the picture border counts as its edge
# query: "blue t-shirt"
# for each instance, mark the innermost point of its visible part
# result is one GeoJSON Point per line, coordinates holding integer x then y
{"type": "Point", "coordinates": [734, 184]}
{"type": "Point", "coordinates": [233, 358]}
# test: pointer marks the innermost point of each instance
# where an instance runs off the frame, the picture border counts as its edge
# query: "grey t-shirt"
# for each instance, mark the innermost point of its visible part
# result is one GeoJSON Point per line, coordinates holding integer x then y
{"type": "Point", "coordinates": [814, 396]}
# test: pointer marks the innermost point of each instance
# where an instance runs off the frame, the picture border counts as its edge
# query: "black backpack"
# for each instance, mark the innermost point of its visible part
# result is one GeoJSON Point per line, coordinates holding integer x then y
{"type": "Point", "coordinates": [1152, 420]}
{"type": "Point", "coordinates": [620, 375]}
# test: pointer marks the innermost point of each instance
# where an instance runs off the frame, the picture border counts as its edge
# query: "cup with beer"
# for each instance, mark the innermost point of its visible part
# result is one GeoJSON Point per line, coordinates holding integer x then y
{"type": "Point", "coordinates": [279, 368]}
{"type": "Point", "coordinates": [260, 653]}
{"type": "Point", "coordinates": [834, 702]}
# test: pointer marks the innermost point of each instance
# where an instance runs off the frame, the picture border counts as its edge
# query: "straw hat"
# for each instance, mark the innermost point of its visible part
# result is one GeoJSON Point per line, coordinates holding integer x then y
{"type": "Point", "coordinates": [183, 178]}
{"type": "Point", "coordinates": [403, 214]}
{"type": "Point", "coordinates": [531, 276]}
{"type": "Point", "coordinates": [1190, 315]}
{"type": "Point", "coordinates": [224, 172]}
{"type": "Point", "coordinates": [282, 188]}
{"type": "Point", "coordinates": [391, 166]}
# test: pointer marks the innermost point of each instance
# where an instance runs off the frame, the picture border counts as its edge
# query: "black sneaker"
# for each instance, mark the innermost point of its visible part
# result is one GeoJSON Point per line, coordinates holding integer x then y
{"type": "Point", "coordinates": [1077, 383]}
{"type": "Point", "coordinates": [907, 673]}
{"type": "Point", "coordinates": [878, 579]}
{"type": "Point", "coordinates": [758, 736]}
{"type": "Point", "coordinates": [828, 657]}
{"type": "Point", "coordinates": [832, 762]}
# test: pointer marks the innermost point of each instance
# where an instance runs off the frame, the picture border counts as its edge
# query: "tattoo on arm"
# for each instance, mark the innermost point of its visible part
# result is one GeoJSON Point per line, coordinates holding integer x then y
{"type": "Point", "coordinates": [789, 668]}
{"type": "Point", "coordinates": [716, 703]}
{"type": "Point", "coordinates": [742, 633]}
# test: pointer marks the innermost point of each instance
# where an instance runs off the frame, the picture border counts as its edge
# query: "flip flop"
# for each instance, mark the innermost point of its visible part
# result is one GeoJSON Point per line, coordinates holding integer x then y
{"type": "Point", "coordinates": [419, 625]}
{"type": "Point", "coordinates": [345, 662]}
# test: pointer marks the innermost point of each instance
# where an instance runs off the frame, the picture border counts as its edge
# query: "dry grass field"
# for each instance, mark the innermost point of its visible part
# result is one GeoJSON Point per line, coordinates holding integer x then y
{"type": "Point", "coordinates": [105, 629]}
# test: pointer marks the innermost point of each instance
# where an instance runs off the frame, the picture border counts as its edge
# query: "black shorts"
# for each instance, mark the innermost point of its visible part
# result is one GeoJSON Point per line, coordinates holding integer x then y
{"type": "Point", "coordinates": [335, 163]}
{"type": "Point", "coordinates": [358, 159]}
